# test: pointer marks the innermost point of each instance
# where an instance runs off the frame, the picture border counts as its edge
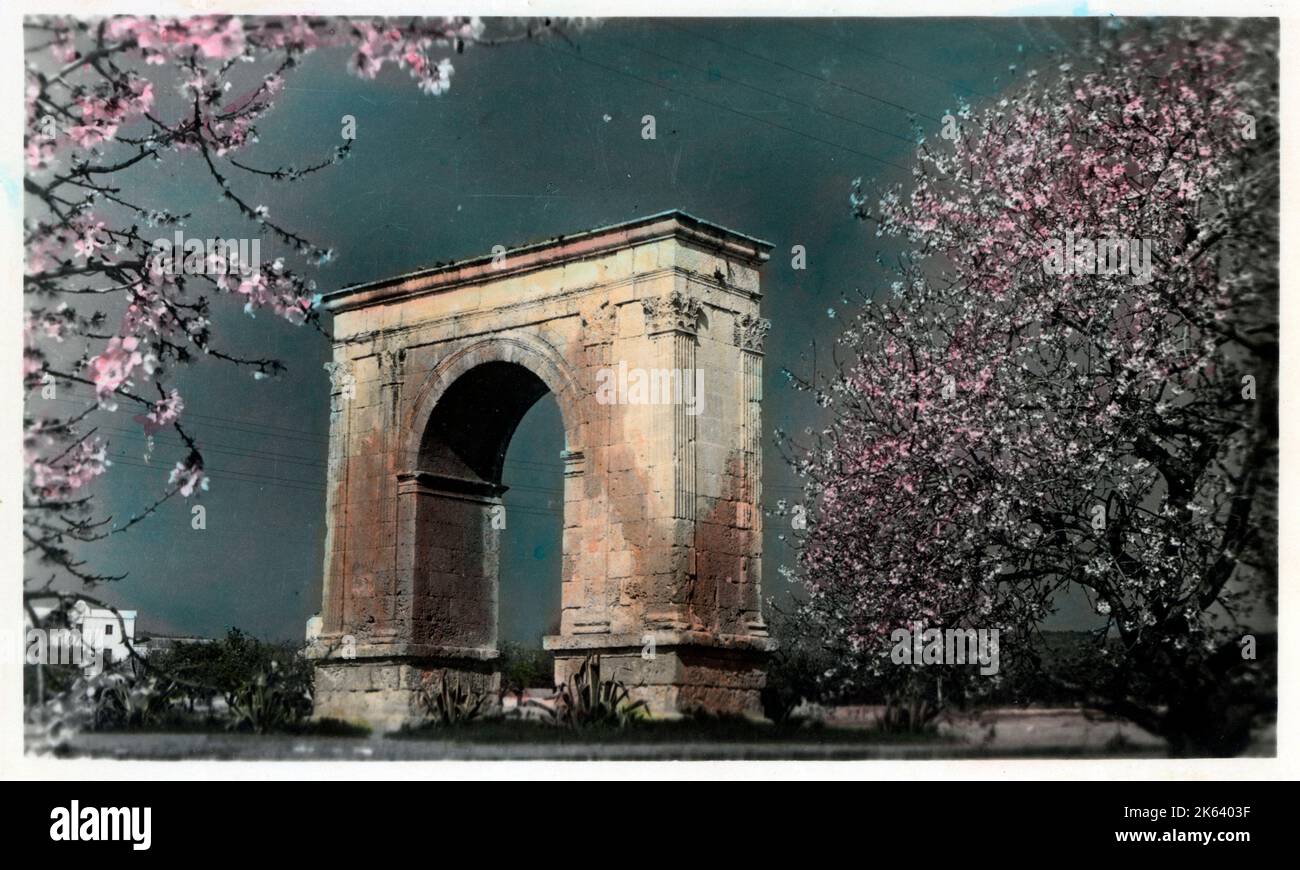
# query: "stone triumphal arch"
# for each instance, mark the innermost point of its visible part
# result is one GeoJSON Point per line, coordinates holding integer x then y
{"type": "Point", "coordinates": [649, 336]}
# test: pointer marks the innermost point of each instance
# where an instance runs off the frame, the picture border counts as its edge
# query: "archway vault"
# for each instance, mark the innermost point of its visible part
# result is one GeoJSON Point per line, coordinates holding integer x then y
{"type": "Point", "coordinates": [648, 334]}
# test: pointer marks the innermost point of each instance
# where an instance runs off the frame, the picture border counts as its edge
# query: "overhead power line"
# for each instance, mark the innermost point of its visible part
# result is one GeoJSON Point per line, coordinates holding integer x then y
{"type": "Point", "coordinates": [823, 79]}
{"type": "Point", "coordinates": [844, 42]}
{"type": "Point", "coordinates": [722, 106]}
{"type": "Point", "coordinates": [764, 91]}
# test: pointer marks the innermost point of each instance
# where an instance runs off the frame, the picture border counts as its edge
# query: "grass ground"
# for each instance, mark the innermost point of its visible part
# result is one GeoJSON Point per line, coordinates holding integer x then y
{"type": "Point", "coordinates": [991, 734]}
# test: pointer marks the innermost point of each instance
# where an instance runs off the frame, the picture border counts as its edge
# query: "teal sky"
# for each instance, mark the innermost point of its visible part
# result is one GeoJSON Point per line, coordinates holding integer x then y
{"type": "Point", "coordinates": [762, 125]}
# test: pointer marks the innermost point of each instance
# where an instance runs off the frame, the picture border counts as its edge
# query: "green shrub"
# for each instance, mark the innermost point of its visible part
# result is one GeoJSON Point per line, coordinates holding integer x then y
{"type": "Point", "coordinates": [795, 671]}
{"type": "Point", "coordinates": [524, 668]}
{"type": "Point", "coordinates": [276, 698]}
{"type": "Point", "coordinates": [266, 686]}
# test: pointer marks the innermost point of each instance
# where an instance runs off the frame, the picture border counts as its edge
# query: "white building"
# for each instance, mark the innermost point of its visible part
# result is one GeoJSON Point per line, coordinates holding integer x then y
{"type": "Point", "coordinates": [100, 629]}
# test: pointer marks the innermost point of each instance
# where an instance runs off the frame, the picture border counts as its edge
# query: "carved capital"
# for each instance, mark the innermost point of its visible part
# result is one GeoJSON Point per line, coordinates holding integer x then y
{"type": "Point", "coordinates": [673, 312]}
{"type": "Point", "coordinates": [342, 381]}
{"type": "Point", "coordinates": [749, 332]}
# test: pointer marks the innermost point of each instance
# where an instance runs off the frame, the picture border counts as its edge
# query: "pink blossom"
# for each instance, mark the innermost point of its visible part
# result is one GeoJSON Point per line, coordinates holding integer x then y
{"type": "Point", "coordinates": [113, 367]}
{"type": "Point", "coordinates": [188, 476]}
{"type": "Point", "coordinates": [164, 413]}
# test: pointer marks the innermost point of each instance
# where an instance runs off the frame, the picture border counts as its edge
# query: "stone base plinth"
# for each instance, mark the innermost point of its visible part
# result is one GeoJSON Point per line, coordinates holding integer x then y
{"type": "Point", "coordinates": [385, 693]}
{"type": "Point", "coordinates": [681, 673]}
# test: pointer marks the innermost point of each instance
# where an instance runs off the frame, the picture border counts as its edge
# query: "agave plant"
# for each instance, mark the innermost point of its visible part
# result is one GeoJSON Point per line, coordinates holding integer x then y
{"type": "Point", "coordinates": [453, 703]}
{"type": "Point", "coordinates": [124, 702]}
{"type": "Point", "coordinates": [587, 700]}
{"type": "Point", "coordinates": [104, 701]}
{"type": "Point", "coordinates": [272, 700]}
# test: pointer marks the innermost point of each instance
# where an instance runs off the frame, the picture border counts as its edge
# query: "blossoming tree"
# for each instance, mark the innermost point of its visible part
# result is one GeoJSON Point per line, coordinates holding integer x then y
{"type": "Point", "coordinates": [106, 314]}
{"type": "Point", "coordinates": [1017, 419]}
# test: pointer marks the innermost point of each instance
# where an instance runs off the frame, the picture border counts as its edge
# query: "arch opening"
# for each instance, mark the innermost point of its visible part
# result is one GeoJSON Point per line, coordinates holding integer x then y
{"type": "Point", "coordinates": [470, 428]}
{"type": "Point", "coordinates": [463, 515]}
{"type": "Point", "coordinates": [531, 560]}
